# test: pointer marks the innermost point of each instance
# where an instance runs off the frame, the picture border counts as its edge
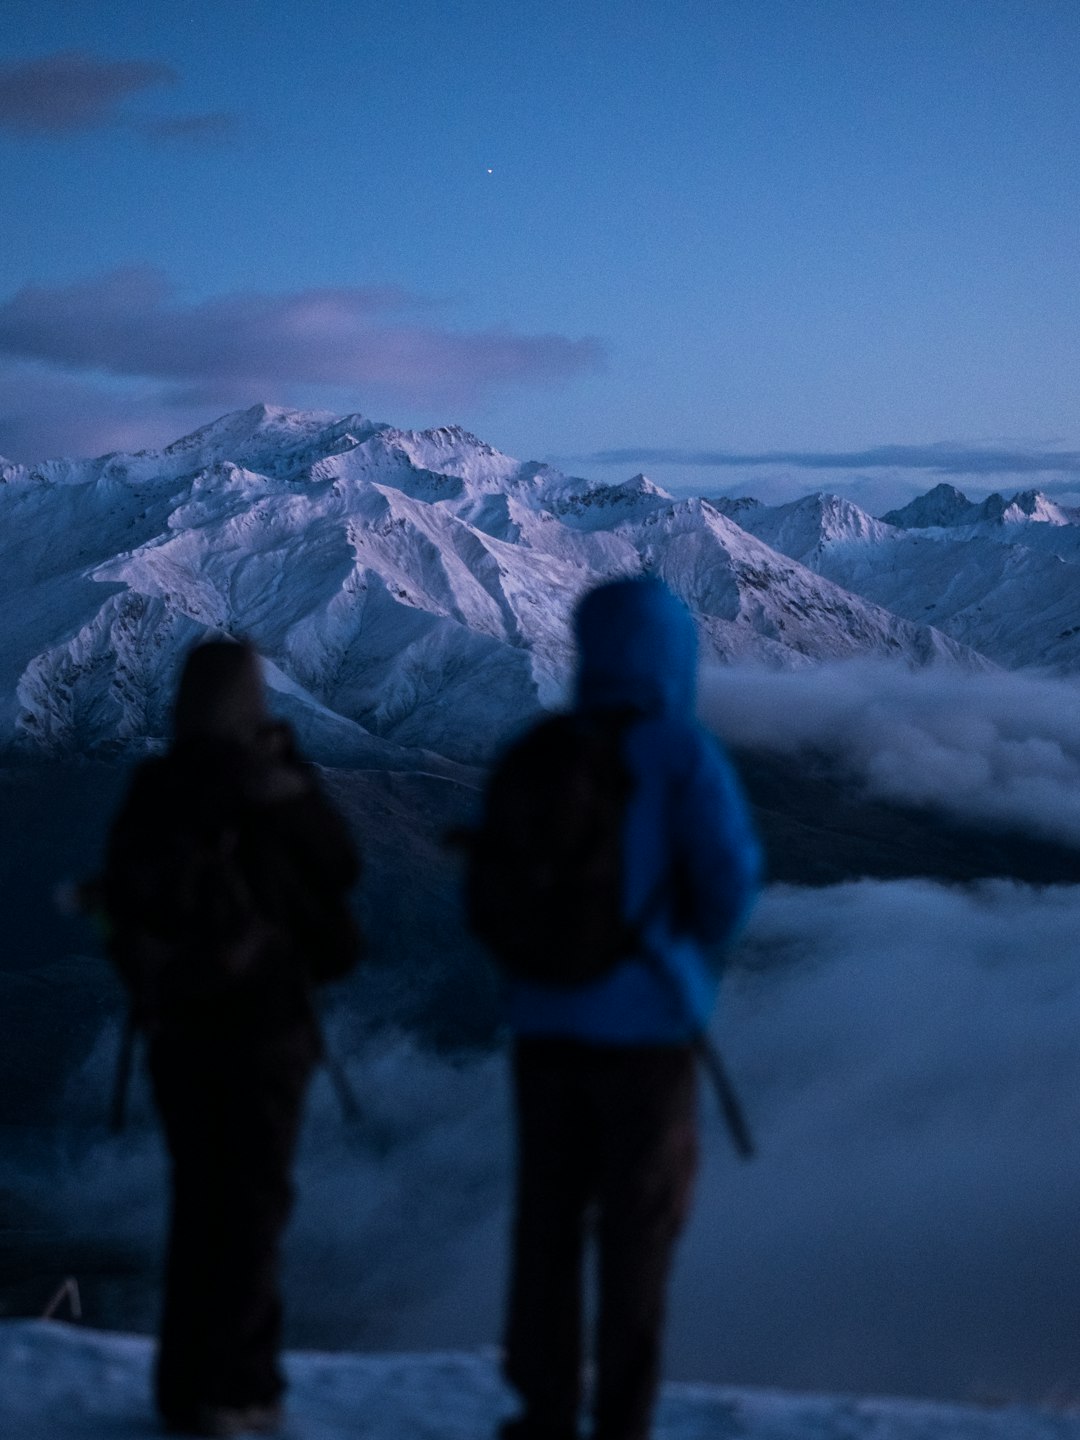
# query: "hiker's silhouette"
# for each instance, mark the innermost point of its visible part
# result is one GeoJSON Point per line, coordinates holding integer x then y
{"type": "Point", "coordinates": [225, 891]}
{"type": "Point", "coordinates": [611, 983]}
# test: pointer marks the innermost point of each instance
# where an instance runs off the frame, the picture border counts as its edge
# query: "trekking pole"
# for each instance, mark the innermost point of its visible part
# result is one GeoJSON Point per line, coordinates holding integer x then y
{"type": "Point", "coordinates": [350, 1105]}
{"type": "Point", "coordinates": [730, 1104]}
{"type": "Point", "coordinates": [124, 1061]}
{"type": "Point", "coordinates": [713, 1065]}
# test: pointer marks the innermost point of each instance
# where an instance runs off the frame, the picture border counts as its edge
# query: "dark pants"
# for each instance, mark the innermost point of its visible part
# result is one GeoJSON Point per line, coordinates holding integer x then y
{"type": "Point", "coordinates": [607, 1140]}
{"type": "Point", "coordinates": [231, 1115]}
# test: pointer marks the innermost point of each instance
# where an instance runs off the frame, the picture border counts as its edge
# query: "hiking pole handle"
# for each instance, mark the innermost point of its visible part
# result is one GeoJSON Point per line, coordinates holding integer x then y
{"type": "Point", "coordinates": [734, 1115]}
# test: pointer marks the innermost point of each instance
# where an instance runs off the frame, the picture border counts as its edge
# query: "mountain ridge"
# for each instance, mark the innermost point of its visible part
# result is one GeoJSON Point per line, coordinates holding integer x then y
{"type": "Point", "coordinates": [416, 585]}
{"type": "Point", "coordinates": [1002, 576]}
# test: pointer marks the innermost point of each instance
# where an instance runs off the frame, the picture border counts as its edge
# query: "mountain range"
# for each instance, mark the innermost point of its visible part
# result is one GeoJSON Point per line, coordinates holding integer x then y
{"type": "Point", "coordinates": [411, 590]}
{"type": "Point", "coordinates": [1001, 577]}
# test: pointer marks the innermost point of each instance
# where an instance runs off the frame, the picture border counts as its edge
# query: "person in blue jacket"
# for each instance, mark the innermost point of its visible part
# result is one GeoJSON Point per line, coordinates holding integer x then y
{"type": "Point", "coordinates": [604, 1073]}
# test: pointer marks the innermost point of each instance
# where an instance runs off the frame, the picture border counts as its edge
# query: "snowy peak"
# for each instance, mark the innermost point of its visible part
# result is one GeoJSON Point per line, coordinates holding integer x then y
{"type": "Point", "coordinates": [240, 427]}
{"type": "Point", "coordinates": [943, 505]}
{"type": "Point", "coordinates": [449, 450]}
{"type": "Point", "coordinates": [804, 528]}
{"type": "Point", "coordinates": [947, 506]}
{"type": "Point", "coordinates": [592, 504]}
{"type": "Point", "coordinates": [1031, 505]}
{"type": "Point", "coordinates": [267, 438]}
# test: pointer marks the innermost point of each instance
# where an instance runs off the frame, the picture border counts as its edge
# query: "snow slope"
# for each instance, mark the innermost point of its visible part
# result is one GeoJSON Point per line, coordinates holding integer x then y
{"type": "Point", "coordinates": [1002, 577]}
{"type": "Point", "coordinates": [58, 1382]}
{"type": "Point", "coordinates": [410, 588]}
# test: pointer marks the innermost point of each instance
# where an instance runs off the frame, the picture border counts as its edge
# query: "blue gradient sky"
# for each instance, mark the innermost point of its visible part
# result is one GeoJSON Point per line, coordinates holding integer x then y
{"type": "Point", "coordinates": [801, 227]}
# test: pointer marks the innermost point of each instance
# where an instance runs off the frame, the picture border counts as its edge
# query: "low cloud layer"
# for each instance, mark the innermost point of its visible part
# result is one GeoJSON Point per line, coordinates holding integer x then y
{"type": "Point", "coordinates": [1002, 748]}
{"type": "Point", "coordinates": [907, 1056]}
{"type": "Point", "coordinates": [72, 91]}
{"type": "Point", "coordinates": [943, 458]}
{"type": "Point", "coordinates": [239, 348]}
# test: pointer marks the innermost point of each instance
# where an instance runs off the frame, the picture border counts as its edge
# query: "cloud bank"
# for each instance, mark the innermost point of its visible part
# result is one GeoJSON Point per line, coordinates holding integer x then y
{"type": "Point", "coordinates": [942, 458]}
{"type": "Point", "coordinates": [998, 748]}
{"type": "Point", "coordinates": [235, 349]}
{"type": "Point", "coordinates": [907, 1054]}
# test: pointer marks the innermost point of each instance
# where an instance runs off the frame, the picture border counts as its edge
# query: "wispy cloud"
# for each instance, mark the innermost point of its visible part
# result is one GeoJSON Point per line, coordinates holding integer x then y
{"type": "Point", "coordinates": [72, 91]}
{"type": "Point", "coordinates": [238, 348]}
{"type": "Point", "coordinates": [942, 458]}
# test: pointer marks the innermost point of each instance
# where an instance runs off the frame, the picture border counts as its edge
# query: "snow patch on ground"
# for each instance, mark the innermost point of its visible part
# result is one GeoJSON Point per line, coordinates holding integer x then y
{"type": "Point", "coordinates": [58, 1382]}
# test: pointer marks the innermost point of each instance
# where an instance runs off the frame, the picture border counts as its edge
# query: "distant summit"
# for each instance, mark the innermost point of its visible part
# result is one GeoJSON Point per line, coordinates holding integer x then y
{"type": "Point", "coordinates": [947, 506]}
{"type": "Point", "coordinates": [803, 528]}
{"type": "Point", "coordinates": [943, 505]}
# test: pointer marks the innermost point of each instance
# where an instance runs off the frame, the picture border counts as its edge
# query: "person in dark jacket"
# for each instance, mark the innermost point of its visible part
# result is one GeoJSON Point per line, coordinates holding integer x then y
{"type": "Point", "coordinates": [225, 888]}
{"type": "Point", "coordinates": [605, 1079]}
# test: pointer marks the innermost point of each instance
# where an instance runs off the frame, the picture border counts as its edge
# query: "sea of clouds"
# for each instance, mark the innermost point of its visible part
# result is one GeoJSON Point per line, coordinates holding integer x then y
{"type": "Point", "coordinates": [999, 747]}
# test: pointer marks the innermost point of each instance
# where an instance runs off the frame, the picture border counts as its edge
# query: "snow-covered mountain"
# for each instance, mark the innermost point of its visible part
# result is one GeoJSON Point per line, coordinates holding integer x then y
{"type": "Point", "coordinates": [1002, 576]}
{"type": "Point", "coordinates": [945, 505]}
{"type": "Point", "coordinates": [804, 528]}
{"type": "Point", "coordinates": [407, 588]}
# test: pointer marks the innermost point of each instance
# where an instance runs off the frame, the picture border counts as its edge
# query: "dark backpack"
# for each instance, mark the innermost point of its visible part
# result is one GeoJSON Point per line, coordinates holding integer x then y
{"type": "Point", "coordinates": [544, 881]}
{"type": "Point", "coordinates": [206, 898]}
{"type": "Point", "coordinates": [185, 923]}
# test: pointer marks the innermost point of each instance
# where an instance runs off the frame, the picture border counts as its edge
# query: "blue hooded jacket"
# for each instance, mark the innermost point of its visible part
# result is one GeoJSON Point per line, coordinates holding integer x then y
{"type": "Point", "coordinates": [692, 862]}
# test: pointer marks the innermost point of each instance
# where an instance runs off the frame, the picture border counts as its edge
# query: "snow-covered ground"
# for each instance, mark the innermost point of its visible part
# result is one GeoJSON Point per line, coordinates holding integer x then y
{"type": "Point", "coordinates": [58, 1381]}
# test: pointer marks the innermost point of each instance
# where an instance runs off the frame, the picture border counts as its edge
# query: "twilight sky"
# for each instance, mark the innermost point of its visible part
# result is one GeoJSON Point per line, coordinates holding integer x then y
{"type": "Point", "coordinates": [744, 246]}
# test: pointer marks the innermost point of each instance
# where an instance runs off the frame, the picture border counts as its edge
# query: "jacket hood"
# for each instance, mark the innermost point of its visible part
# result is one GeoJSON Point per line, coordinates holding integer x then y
{"type": "Point", "coordinates": [637, 646]}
